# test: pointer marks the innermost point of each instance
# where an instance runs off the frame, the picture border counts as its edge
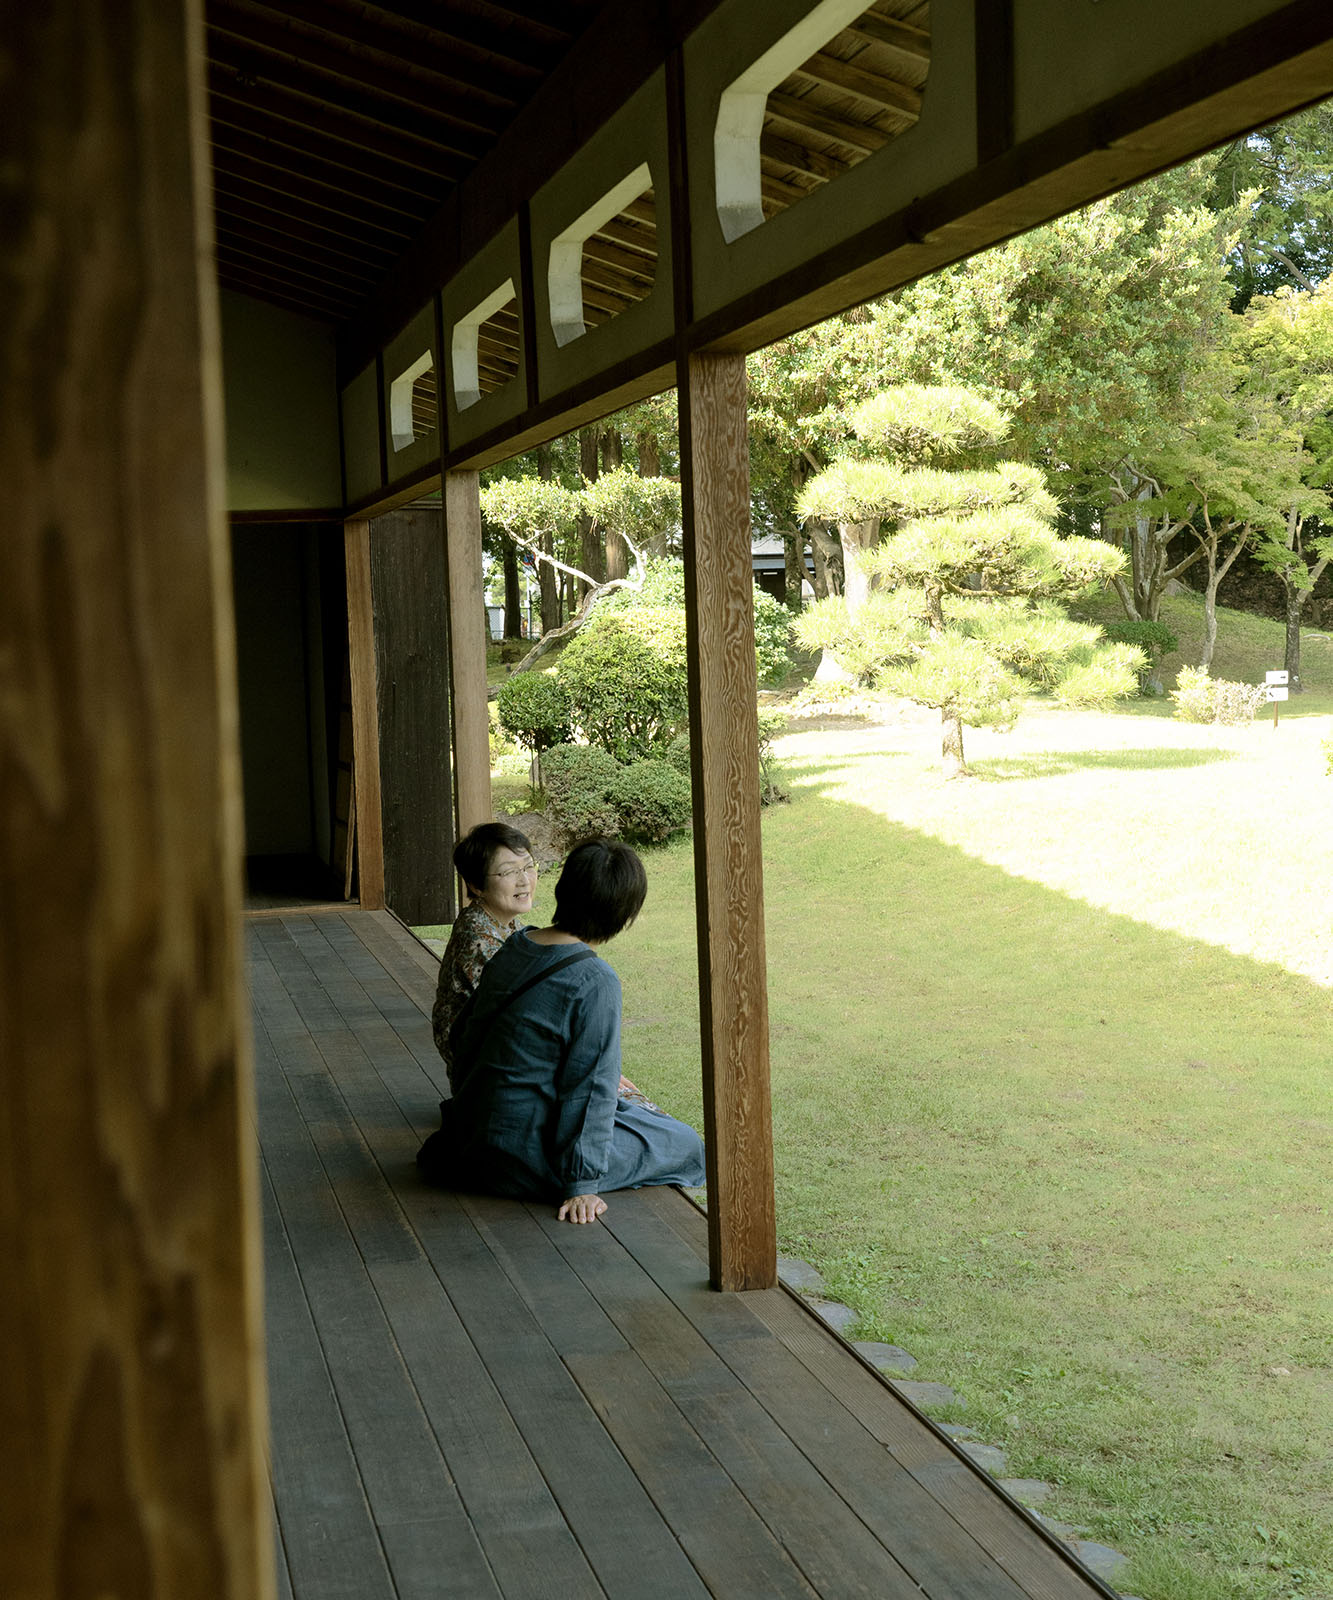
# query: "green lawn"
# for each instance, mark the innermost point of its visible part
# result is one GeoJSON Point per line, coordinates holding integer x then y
{"type": "Point", "coordinates": [1052, 1095]}
{"type": "Point", "coordinates": [1038, 1124]}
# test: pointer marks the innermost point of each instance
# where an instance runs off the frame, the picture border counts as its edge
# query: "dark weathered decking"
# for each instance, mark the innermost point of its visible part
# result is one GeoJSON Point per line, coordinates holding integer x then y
{"type": "Point", "coordinates": [472, 1400]}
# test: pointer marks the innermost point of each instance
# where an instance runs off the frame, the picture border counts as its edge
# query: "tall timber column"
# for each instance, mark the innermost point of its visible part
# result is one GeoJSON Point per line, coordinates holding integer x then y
{"type": "Point", "coordinates": [131, 1352]}
{"type": "Point", "coordinates": [729, 887]}
{"type": "Point", "coordinates": [467, 650]}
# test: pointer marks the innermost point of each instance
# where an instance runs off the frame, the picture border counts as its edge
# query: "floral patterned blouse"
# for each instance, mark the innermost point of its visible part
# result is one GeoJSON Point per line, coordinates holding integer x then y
{"type": "Point", "coordinates": [475, 939]}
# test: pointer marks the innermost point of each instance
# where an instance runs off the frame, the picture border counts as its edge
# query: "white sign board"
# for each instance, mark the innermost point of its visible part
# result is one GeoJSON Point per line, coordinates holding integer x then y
{"type": "Point", "coordinates": [1277, 692]}
{"type": "Point", "coordinates": [1277, 677]}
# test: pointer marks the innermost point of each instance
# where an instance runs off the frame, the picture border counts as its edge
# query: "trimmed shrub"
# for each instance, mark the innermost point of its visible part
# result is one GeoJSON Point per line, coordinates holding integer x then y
{"type": "Point", "coordinates": [678, 753]}
{"type": "Point", "coordinates": [1200, 698]}
{"type": "Point", "coordinates": [664, 589]}
{"type": "Point", "coordinates": [652, 801]}
{"type": "Point", "coordinates": [625, 674]}
{"type": "Point", "coordinates": [534, 709]}
{"type": "Point", "coordinates": [772, 638]}
{"type": "Point", "coordinates": [577, 778]}
{"type": "Point", "coordinates": [1155, 639]}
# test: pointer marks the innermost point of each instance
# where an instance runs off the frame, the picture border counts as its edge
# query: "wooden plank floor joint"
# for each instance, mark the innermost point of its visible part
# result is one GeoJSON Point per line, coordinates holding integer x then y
{"type": "Point", "coordinates": [470, 1399]}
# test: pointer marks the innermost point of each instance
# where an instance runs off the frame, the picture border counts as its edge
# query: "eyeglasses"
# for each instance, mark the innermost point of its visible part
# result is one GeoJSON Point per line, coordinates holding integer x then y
{"type": "Point", "coordinates": [509, 874]}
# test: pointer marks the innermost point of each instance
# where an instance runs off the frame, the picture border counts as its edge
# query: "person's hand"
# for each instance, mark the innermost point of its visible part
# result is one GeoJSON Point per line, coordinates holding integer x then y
{"type": "Point", "coordinates": [626, 1087]}
{"type": "Point", "coordinates": [581, 1208]}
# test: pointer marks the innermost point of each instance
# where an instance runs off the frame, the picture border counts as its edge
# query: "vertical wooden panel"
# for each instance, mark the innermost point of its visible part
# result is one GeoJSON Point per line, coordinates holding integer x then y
{"type": "Point", "coordinates": [467, 650]}
{"type": "Point", "coordinates": [131, 1375]}
{"type": "Point", "coordinates": [365, 716]}
{"type": "Point", "coordinates": [724, 750]}
{"type": "Point", "coordinates": [412, 690]}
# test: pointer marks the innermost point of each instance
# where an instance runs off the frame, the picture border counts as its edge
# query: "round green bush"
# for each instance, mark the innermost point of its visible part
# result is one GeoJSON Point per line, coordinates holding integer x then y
{"type": "Point", "coordinates": [652, 801]}
{"type": "Point", "coordinates": [625, 673]}
{"type": "Point", "coordinates": [577, 778]}
{"type": "Point", "coordinates": [534, 709]}
{"type": "Point", "coordinates": [772, 638]}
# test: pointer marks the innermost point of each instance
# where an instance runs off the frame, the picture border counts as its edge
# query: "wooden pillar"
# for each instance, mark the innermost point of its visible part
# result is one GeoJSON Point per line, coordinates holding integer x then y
{"type": "Point", "coordinates": [467, 651]}
{"type": "Point", "coordinates": [724, 752]}
{"type": "Point", "coordinates": [365, 716]}
{"type": "Point", "coordinates": [131, 1352]}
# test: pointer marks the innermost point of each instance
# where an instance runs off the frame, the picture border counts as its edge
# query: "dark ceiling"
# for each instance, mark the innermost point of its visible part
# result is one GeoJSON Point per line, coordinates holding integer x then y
{"type": "Point", "coordinates": [339, 128]}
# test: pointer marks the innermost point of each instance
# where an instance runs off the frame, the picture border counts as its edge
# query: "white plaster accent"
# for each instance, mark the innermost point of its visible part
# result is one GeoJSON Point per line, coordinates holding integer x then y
{"type": "Point", "coordinates": [401, 431]}
{"type": "Point", "coordinates": [463, 345]}
{"type": "Point", "coordinates": [740, 113]}
{"type": "Point", "coordinates": [564, 273]}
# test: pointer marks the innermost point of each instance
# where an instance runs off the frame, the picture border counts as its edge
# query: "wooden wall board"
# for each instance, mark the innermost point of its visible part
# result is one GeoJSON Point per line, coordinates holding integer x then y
{"type": "Point", "coordinates": [724, 758]}
{"type": "Point", "coordinates": [131, 1346]}
{"type": "Point", "coordinates": [407, 570]}
{"type": "Point", "coordinates": [365, 716]}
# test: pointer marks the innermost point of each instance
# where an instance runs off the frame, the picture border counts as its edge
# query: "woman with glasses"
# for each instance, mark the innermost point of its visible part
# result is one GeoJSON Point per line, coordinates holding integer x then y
{"type": "Point", "coordinates": [496, 866]}
{"type": "Point", "coordinates": [536, 1111]}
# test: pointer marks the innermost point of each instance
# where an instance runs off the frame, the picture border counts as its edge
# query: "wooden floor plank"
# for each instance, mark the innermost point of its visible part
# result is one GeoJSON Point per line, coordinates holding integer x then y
{"type": "Point", "coordinates": [581, 1417]}
{"type": "Point", "coordinates": [325, 1522]}
{"type": "Point", "coordinates": [522, 1532]}
{"type": "Point", "coordinates": [583, 1274]}
{"type": "Point", "coordinates": [603, 1502]}
{"type": "Point", "coordinates": [1033, 1560]}
{"type": "Point", "coordinates": [928, 1542]}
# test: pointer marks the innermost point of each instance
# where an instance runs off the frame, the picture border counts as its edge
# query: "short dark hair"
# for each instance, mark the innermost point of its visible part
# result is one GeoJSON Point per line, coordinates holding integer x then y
{"type": "Point", "coordinates": [601, 890]}
{"type": "Point", "coordinates": [474, 852]}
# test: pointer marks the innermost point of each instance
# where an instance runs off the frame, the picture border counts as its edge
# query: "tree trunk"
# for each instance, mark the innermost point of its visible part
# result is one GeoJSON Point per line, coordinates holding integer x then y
{"type": "Point", "coordinates": [856, 537]}
{"type": "Point", "coordinates": [823, 549]}
{"type": "Point", "coordinates": [951, 745]}
{"type": "Point", "coordinates": [650, 458]}
{"type": "Point", "coordinates": [793, 553]}
{"type": "Point", "coordinates": [513, 624]}
{"type": "Point", "coordinates": [1209, 618]}
{"type": "Point", "coordinates": [591, 555]}
{"type": "Point", "coordinates": [1295, 604]}
{"type": "Point", "coordinates": [548, 579]}
{"type": "Point", "coordinates": [617, 555]}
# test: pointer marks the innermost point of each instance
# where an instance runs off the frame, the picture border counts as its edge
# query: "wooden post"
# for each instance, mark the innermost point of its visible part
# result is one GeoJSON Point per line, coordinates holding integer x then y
{"type": "Point", "coordinates": [467, 650]}
{"type": "Point", "coordinates": [724, 754]}
{"type": "Point", "coordinates": [131, 1349]}
{"type": "Point", "coordinates": [365, 716]}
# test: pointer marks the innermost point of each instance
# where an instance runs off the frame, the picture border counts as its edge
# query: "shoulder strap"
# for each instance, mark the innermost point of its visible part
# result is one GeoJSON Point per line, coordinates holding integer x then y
{"type": "Point", "coordinates": [465, 1018]}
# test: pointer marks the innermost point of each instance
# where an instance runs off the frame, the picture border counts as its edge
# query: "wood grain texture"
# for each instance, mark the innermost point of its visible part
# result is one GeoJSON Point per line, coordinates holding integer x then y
{"type": "Point", "coordinates": [724, 753]}
{"type": "Point", "coordinates": [131, 1376]}
{"type": "Point", "coordinates": [411, 687]}
{"type": "Point", "coordinates": [467, 651]}
{"type": "Point", "coordinates": [365, 717]}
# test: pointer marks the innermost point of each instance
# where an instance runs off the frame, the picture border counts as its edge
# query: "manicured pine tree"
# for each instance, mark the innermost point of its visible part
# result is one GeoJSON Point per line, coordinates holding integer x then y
{"type": "Point", "coordinates": [966, 577]}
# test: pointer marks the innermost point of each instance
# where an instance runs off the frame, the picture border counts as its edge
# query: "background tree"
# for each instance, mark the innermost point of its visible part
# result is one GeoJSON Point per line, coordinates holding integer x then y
{"type": "Point", "coordinates": [1286, 342]}
{"type": "Point", "coordinates": [1280, 178]}
{"type": "Point", "coordinates": [962, 610]}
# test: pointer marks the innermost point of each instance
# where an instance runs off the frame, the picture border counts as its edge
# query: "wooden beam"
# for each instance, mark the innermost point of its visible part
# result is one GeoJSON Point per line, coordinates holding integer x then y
{"type": "Point", "coordinates": [365, 716]}
{"type": "Point", "coordinates": [724, 755]}
{"type": "Point", "coordinates": [131, 1347]}
{"type": "Point", "coordinates": [803, 115]}
{"type": "Point", "coordinates": [834, 73]}
{"type": "Point", "coordinates": [467, 651]}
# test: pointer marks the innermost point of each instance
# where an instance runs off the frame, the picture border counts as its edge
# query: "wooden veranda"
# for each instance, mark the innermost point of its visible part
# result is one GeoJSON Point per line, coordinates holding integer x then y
{"type": "Point", "coordinates": [401, 241]}
{"type": "Point", "coordinates": [472, 1399]}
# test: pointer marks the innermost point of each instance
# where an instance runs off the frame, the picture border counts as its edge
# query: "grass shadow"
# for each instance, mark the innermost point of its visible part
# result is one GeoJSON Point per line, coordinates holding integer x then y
{"type": "Point", "coordinates": [1051, 765]}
